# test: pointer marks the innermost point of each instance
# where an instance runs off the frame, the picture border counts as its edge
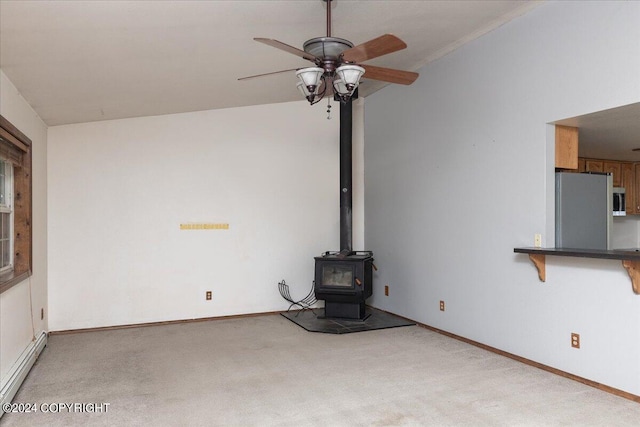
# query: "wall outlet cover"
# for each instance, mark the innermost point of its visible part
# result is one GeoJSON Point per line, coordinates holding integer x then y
{"type": "Point", "coordinates": [575, 340]}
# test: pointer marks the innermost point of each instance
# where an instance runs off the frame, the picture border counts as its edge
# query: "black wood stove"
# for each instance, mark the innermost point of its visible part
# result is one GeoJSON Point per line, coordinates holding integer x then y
{"type": "Point", "coordinates": [344, 279]}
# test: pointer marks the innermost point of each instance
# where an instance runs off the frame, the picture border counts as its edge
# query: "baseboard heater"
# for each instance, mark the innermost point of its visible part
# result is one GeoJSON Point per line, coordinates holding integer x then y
{"type": "Point", "coordinates": [20, 369]}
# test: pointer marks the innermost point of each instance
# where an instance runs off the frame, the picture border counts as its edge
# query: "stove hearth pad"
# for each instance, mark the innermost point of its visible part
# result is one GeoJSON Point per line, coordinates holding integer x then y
{"type": "Point", "coordinates": [312, 321]}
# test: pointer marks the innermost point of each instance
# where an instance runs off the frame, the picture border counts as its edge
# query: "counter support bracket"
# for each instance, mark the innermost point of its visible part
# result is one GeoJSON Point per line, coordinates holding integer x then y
{"type": "Point", "coordinates": [633, 268]}
{"type": "Point", "coordinates": [539, 261]}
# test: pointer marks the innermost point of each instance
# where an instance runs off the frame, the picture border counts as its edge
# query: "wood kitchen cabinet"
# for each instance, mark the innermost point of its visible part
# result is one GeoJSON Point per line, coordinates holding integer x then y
{"type": "Point", "coordinates": [592, 165]}
{"type": "Point", "coordinates": [636, 190]}
{"type": "Point", "coordinates": [629, 182]}
{"type": "Point", "coordinates": [612, 167]}
{"type": "Point", "coordinates": [597, 165]}
{"type": "Point", "coordinates": [566, 147]}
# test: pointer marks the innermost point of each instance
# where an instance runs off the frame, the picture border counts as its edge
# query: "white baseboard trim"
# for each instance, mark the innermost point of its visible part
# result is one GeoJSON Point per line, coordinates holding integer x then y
{"type": "Point", "coordinates": [20, 369]}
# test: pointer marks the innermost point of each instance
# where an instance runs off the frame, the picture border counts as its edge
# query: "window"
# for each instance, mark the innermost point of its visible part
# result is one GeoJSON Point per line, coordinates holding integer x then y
{"type": "Point", "coordinates": [6, 216]}
{"type": "Point", "coordinates": [15, 205]}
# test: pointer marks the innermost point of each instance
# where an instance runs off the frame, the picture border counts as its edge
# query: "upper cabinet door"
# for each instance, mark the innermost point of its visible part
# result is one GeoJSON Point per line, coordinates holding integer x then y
{"type": "Point", "coordinates": [614, 169]}
{"type": "Point", "coordinates": [628, 181]}
{"type": "Point", "coordinates": [566, 147]}
{"type": "Point", "coordinates": [591, 165]}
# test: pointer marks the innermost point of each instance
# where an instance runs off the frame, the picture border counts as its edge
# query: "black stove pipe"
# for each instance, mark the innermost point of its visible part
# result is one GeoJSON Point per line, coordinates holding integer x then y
{"type": "Point", "coordinates": [346, 177]}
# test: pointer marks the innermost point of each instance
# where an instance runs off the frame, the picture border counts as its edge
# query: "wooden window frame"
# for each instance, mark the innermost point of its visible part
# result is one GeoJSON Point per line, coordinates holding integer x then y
{"type": "Point", "coordinates": [20, 145]}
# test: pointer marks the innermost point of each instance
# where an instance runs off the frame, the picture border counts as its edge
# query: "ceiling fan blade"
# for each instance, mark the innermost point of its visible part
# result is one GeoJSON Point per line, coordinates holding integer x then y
{"type": "Point", "coordinates": [389, 75]}
{"type": "Point", "coordinates": [374, 48]}
{"type": "Point", "coordinates": [283, 46]}
{"type": "Point", "coordinates": [266, 74]}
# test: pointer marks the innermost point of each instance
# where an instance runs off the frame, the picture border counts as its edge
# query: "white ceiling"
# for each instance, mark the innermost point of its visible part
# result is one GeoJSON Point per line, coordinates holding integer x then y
{"type": "Point", "coordinates": [81, 61]}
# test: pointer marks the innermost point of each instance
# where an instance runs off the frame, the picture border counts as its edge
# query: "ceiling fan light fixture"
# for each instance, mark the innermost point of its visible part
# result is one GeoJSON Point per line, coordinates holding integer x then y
{"type": "Point", "coordinates": [350, 75]}
{"type": "Point", "coordinates": [335, 72]}
{"type": "Point", "coordinates": [310, 77]}
{"type": "Point", "coordinates": [303, 89]}
{"type": "Point", "coordinates": [305, 92]}
{"type": "Point", "coordinates": [341, 88]}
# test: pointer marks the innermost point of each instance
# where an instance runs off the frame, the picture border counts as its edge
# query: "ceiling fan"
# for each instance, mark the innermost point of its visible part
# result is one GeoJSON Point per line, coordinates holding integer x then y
{"type": "Point", "coordinates": [337, 70]}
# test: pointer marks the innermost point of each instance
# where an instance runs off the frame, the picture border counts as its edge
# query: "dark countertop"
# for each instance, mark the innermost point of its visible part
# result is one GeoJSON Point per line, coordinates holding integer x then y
{"type": "Point", "coordinates": [620, 254]}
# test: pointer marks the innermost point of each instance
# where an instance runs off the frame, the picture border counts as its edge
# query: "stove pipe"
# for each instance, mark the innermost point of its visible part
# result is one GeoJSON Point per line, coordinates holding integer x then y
{"type": "Point", "coordinates": [346, 178]}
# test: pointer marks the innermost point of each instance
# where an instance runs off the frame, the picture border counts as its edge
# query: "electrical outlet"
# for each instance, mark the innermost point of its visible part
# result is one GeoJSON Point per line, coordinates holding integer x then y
{"type": "Point", "coordinates": [386, 290]}
{"type": "Point", "coordinates": [537, 240]}
{"type": "Point", "coordinates": [575, 340]}
{"type": "Point", "coordinates": [441, 305]}
{"type": "Point", "coordinates": [208, 296]}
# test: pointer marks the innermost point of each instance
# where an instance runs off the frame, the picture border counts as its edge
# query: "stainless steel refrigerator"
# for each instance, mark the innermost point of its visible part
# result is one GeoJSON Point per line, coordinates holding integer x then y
{"type": "Point", "coordinates": [584, 211]}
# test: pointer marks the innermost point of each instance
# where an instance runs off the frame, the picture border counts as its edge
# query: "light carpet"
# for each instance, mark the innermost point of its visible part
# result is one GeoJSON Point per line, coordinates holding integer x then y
{"type": "Point", "coordinates": [267, 371]}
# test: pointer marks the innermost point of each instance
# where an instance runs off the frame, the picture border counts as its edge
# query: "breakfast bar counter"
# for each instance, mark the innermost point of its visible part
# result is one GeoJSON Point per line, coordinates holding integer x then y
{"type": "Point", "coordinates": [630, 259]}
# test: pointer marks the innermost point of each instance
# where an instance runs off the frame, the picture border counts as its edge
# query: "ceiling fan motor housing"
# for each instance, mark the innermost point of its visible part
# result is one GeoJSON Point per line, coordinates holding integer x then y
{"type": "Point", "coordinates": [326, 47]}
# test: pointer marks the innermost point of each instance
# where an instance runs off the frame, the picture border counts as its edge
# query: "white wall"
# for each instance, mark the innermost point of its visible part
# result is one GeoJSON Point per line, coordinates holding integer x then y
{"type": "Point", "coordinates": [457, 174]}
{"type": "Point", "coordinates": [16, 326]}
{"type": "Point", "coordinates": [624, 232]}
{"type": "Point", "coordinates": [120, 189]}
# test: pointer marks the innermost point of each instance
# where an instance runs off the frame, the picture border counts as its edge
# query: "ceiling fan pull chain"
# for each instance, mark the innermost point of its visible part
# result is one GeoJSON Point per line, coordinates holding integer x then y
{"type": "Point", "coordinates": [328, 108]}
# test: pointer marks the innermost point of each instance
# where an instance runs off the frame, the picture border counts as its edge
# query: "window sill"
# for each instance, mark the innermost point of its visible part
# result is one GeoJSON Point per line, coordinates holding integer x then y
{"type": "Point", "coordinates": [10, 279]}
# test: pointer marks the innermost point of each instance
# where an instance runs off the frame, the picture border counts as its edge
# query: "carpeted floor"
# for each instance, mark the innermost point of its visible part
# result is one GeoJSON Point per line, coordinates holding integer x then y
{"type": "Point", "coordinates": [267, 371]}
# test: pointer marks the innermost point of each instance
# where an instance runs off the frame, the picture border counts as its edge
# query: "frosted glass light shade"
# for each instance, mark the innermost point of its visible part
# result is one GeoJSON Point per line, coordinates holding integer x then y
{"type": "Point", "coordinates": [310, 77]}
{"type": "Point", "coordinates": [340, 87]}
{"type": "Point", "coordinates": [350, 74]}
{"type": "Point", "coordinates": [303, 89]}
